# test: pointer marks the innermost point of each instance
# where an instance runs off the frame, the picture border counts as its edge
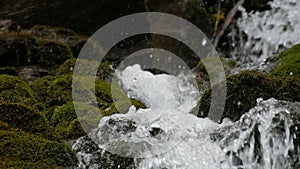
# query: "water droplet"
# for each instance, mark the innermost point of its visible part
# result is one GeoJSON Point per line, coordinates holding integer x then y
{"type": "Point", "coordinates": [204, 41]}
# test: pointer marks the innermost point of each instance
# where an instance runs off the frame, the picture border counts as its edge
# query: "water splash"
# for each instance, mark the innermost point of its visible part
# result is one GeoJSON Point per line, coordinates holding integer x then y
{"type": "Point", "coordinates": [263, 137]}
{"type": "Point", "coordinates": [170, 137]}
{"type": "Point", "coordinates": [262, 34]}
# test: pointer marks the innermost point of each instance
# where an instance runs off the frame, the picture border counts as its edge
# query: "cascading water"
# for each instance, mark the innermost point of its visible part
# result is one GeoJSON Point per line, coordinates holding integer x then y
{"type": "Point", "coordinates": [166, 135]}
{"type": "Point", "coordinates": [259, 35]}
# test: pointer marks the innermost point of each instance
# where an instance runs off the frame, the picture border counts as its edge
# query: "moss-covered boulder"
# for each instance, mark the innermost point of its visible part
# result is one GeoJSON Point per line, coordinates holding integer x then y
{"type": "Point", "coordinates": [24, 150]}
{"type": "Point", "coordinates": [59, 34]}
{"type": "Point", "coordinates": [57, 90]}
{"type": "Point", "coordinates": [244, 88]}
{"type": "Point", "coordinates": [15, 90]}
{"type": "Point", "coordinates": [104, 72]}
{"type": "Point", "coordinates": [40, 87]}
{"type": "Point", "coordinates": [8, 71]}
{"type": "Point", "coordinates": [68, 122]}
{"type": "Point", "coordinates": [21, 49]}
{"type": "Point", "coordinates": [26, 119]}
{"type": "Point", "coordinates": [65, 119]}
{"type": "Point", "coordinates": [288, 63]}
{"type": "Point", "coordinates": [123, 106]}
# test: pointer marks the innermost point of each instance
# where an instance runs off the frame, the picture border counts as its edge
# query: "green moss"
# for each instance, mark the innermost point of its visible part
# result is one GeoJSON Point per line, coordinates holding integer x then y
{"type": "Point", "coordinates": [65, 119]}
{"type": "Point", "coordinates": [24, 150]}
{"type": "Point", "coordinates": [27, 119]}
{"type": "Point", "coordinates": [57, 90]}
{"type": "Point", "coordinates": [289, 63]}
{"type": "Point", "coordinates": [40, 87]}
{"type": "Point", "coordinates": [59, 34]}
{"type": "Point", "coordinates": [84, 93]}
{"type": "Point", "coordinates": [13, 89]}
{"type": "Point", "coordinates": [75, 129]}
{"type": "Point", "coordinates": [67, 68]}
{"type": "Point", "coordinates": [243, 89]}
{"type": "Point", "coordinates": [123, 106]}
{"type": "Point", "coordinates": [24, 165]}
{"type": "Point", "coordinates": [21, 49]}
{"type": "Point", "coordinates": [3, 125]}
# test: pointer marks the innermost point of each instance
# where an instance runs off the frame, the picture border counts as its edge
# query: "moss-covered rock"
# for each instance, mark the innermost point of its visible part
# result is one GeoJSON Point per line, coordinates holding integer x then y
{"type": "Point", "coordinates": [3, 125]}
{"type": "Point", "coordinates": [26, 119]}
{"type": "Point", "coordinates": [75, 130]}
{"type": "Point", "coordinates": [65, 119]}
{"type": "Point", "coordinates": [21, 49]}
{"type": "Point", "coordinates": [104, 70]}
{"type": "Point", "coordinates": [123, 106]}
{"type": "Point", "coordinates": [244, 88]}
{"type": "Point", "coordinates": [8, 71]}
{"type": "Point", "coordinates": [57, 90]}
{"type": "Point", "coordinates": [13, 89]}
{"type": "Point", "coordinates": [40, 87]}
{"type": "Point", "coordinates": [24, 150]}
{"type": "Point", "coordinates": [59, 34]}
{"type": "Point", "coordinates": [288, 63]}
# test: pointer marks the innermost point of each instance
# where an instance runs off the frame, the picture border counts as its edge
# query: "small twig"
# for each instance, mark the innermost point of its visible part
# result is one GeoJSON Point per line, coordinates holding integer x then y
{"type": "Point", "coordinates": [227, 22]}
{"type": "Point", "coordinates": [218, 17]}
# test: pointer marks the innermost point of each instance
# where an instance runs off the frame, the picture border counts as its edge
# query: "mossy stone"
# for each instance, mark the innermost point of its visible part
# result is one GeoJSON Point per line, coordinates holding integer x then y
{"type": "Point", "coordinates": [57, 90]}
{"type": "Point", "coordinates": [27, 119]}
{"type": "Point", "coordinates": [65, 119]}
{"type": "Point", "coordinates": [9, 71]}
{"type": "Point", "coordinates": [75, 130]}
{"type": "Point", "coordinates": [13, 89]}
{"type": "Point", "coordinates": [3, 125]}
{"type": "Point", "coordinates": [244, 88]}
{"type": "Point", "coordinates": [123, 106]}
{"type": "Point", "coordinates": [67, 68]}
{"type": "Point", "coordinates": [59, 34]}
{"type": "Point", "coordinates": [24, 165]}
{"type": "Point", "coordinates": [23, 49]}
{"type": "Point", "coordinates": [40, 87]}
{"type": "Point", "coordinates": [24, 150]}
{"type": "Point", "coordinates": [288, 63]}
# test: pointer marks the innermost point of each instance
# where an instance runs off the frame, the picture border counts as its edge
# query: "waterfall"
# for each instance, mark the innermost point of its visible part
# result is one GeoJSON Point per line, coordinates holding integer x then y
{"type": "Point", "coordinates": [258, 35]}
{"type": "Point", "coordinates": [168, 136]}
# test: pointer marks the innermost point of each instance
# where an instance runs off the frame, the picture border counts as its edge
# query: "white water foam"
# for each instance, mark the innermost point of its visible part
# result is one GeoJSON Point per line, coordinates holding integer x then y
{"type": "Point", "coordinates": [262, 34]}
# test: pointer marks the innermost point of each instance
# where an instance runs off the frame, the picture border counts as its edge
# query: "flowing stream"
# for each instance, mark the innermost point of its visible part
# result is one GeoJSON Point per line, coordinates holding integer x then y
{"type": "Point", "coordinates": [167, 135]}
{"type": "Point", "coordinates": [259, 35]}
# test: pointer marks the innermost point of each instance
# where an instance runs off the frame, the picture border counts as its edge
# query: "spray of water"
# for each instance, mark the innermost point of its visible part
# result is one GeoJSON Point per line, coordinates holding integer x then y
{"type": "Point", "coordinates": [262, 34]}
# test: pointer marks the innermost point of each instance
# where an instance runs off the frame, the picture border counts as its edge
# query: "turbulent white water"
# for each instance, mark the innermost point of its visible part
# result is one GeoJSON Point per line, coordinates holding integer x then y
{"type": "Point", "coordinates": [262, 34]}
{"type": "Point", "coordinates": [166, 135]}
